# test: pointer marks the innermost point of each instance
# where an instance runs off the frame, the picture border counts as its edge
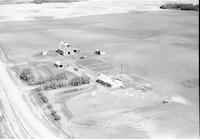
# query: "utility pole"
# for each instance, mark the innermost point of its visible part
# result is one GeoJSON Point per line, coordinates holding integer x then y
{"type": "Point", "coordinates": [121, 70]}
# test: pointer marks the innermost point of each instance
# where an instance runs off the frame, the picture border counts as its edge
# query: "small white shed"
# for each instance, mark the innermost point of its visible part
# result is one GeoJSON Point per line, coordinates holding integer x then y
{"type": "Point", "coordinates": [58, 64]}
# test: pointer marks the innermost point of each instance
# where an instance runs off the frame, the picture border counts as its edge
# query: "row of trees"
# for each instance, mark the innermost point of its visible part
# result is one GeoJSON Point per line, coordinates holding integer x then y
{"type": "Point", "coordinates": [53, 78]}
{"type": "Point", "coordinates": [55, 81]}
{"type": "Point", "coordinates": [43, 97]}
{"type": "Point", "coordinates": [79, 81]}
{"type": "Point", "coordinates": [49, 106]}
{"type": "Point", "coordinates": [28, 76]}
{"type": "Point", "coordinates": [55, 84]}
{"type": "Point", "coordinates": [180, 6]}
{"type": "Point", "coordinates": [38, 1]}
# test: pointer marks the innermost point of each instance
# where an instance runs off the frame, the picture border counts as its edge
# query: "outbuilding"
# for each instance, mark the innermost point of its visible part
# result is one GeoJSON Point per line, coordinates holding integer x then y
{"type": "Point", "coordinates": [58, 64]}
{"type": "Point", "coordinates": [76, 50]}
{"type": "Point", "coordinates": [99, 52]}
{"type": "Point", "coordinates": [44, 53]}
{"type": "Point", "coordinates": [109, 82]}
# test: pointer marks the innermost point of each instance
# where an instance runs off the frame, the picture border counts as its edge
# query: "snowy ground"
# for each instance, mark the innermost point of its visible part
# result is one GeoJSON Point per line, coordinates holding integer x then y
{"type": "Point", "coordinates": [29, 11]}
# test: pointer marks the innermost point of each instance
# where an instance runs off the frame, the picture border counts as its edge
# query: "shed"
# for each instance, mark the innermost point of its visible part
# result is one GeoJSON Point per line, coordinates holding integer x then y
{"type": "Point", "coordinates": [44, 53]}
{"type": "Point", "coordinates": [76, 50]}
{"type": "Point", "coordinates": [58, 64]}
{"type": "Point", "coordinates": [99, 52]}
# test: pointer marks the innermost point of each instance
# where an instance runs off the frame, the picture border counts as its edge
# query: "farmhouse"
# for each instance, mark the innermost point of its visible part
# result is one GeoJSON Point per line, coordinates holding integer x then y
{"type": "Point", "coordinates": [65, 48]}
{"type": "Point", "coordinates": [107, 81]}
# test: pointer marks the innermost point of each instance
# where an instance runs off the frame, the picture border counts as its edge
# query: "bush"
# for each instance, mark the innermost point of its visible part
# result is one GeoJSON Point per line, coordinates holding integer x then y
{"type": "Point", "coordinates": [27, 76]}
{"type": "Point", "coordinates": [55, 115]}
{"type": "Point", "coordinates": [49, 106]}
{"type": "Point", "coordinates": [57, 118]}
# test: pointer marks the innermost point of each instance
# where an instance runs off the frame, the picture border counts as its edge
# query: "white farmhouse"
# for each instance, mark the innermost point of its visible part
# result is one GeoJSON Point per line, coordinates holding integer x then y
{"type": "Point", "coordinates": [65, 48]}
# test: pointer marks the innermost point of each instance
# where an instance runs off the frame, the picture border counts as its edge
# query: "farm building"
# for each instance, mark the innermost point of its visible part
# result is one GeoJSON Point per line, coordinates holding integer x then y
{"type": "Point", "coordinates": [76, 50]}
{"type": "Point", "coordinates": [66, 49]}
{"type": "Point", "coordinates": [58, 64]}
{"type": "Point", "coordinates": [107, 81]}
{"type": "Point", "coordinates": [44, 53]}
{"type": "Point", "coordinates": [99, 52]}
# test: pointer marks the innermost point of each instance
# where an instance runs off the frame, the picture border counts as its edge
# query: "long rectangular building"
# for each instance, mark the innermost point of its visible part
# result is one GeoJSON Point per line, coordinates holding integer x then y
{"type": "Point", "coordinates": [109, 82]}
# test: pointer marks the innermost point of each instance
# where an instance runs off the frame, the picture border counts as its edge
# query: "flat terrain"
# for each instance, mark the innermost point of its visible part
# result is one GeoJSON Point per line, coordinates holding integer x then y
{"type": "Point", "coordinates": [159, 47]}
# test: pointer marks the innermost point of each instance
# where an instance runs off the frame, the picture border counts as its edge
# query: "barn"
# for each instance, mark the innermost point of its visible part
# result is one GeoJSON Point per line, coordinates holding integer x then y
{"type": "Point", "coordinates": [109, 82]}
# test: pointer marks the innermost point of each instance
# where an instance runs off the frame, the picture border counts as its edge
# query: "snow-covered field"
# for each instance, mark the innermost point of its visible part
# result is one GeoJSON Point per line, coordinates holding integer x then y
{"type": "Point", "coordinates": [29, 11]}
